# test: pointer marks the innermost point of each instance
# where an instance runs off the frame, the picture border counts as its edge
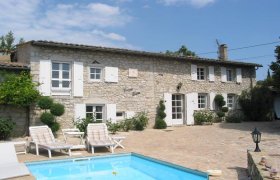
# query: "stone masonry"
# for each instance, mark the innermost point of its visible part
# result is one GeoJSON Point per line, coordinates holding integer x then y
{"type": "Point", "coordinates": [156, 76]}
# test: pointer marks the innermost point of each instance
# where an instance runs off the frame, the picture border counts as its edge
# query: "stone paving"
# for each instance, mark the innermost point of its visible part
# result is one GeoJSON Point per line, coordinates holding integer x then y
{"type": "Point", "coordinates": [219, 146]}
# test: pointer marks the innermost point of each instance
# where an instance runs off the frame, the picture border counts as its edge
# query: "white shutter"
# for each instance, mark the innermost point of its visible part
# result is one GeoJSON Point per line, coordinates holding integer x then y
{"type": "Point", "coordinates": [168, 108]}
{"type": "Point", "coordinates": [129, 114]}
{"type": "Point", "coordinates": [111, 110]}
{"type": "Point", "coordinates": [225, 98]}
{"type": "Point", "coordinates": [211, 100]}
{"type": "Point", "coordinates": [191, 99]}
{"type": "Point", "coordinates": [80, 111]}
{"type": "Point", "coordinates": [111, 74]}
{"type": "Point", "coordinates": [223, 74]}
{"type": "Point", "coordinates": [78, 77]}
{"type": "Point", "coordinates": [211, 73]}
{"type": "Point", "coordinates": [45, 77]}
{"type": "Point", "coordinates": [194, 72]}
{"type": "Point", "coordinates": [238, 75]}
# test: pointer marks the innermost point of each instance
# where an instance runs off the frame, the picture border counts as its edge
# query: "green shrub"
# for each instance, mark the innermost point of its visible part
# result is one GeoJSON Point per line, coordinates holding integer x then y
{"type": "Point", "coordinates": [224, 109]}
{"type": "Point", "coordinates": [45, 102]}
{"type": "Point", "coordinates": [82, 124]}
{"type": "Point", "coordinates": [160, 124]}
{"type": "Point", "coordinates": [126, 125]}
{"type": "Point", "coordinates": [47, 118]}
{"type": "Point", "coordinates": [235, 116]}
{"type": "Point", "coordinates": [140, 121]}
{"type": "Point", "coordinates": [256, 103]}
{"type": "Point", "coordinates": [220, 114]}
{"type": "Point", "coordinates": [203, 116]}
{"type": "Point", "coordinates": [57, 109]}
{"type": "Point", "coordinates": [6, 127]}
{"type": "Point", "coordinates": [55, 126]}
{"type": "Point", "coordinates": [113, 127]}
{"type": "Point", "coordinates": [219, 101]}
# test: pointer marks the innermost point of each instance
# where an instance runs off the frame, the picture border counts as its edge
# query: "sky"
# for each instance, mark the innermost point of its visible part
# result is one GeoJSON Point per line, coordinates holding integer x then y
{"type": "Point", "coordinates": [152, 25]}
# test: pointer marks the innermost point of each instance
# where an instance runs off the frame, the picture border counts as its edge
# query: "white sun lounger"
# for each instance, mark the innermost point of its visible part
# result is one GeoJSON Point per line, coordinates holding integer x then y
{"type": "Point", "coordinates": [9, 165]}
{"type": "Point", "coordinates": [42, 137]}
{"type": "Point", "coordinates": [97, 136]}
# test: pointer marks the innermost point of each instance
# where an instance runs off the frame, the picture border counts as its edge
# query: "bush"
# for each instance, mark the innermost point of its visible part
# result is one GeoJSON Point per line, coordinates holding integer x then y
{"type": "Point", "coordinates": [82, 124]}
{"type": "Point", "coordinates": [224, 109]}
{"type": "Point", "coordinates": [203, 116]}
{"type": "Point", "coordinates": [113, 127]}
{"type": "Point", "coordinates": [140, 122]}
{"type": "Point", "coordinates": [219, 101]}
{"type": "Point", "coordinates": [160, 124]}
{"type": "Point", "coordinates": [6, 127]}
{"type": "Point", "coordinates": [256, 104]}
{"type": "Point", "coordinates": [47, 118]}
{"type": "Point", "coordinates": [235, 117]}
{"type": "Point", "coordinates": [220, 114]}
{"type": "Point", "coordinates": [126, 125]}
{"type": "Point", "coordinates": [45, 102]}
{"type": "Point", "coordinates": [55, 126]}
{"type": "Point", "coordinates": [57, 109]}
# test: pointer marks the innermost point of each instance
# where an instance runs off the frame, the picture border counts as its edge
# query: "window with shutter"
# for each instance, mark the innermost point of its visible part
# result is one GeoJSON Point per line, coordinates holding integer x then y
{"type": "Point", "coordinates": [45, 77]}
{"type": "Point", "coordinates": [238, 75]}
{"type": "Point", "coordinates": [194, 72]}
{"type": "Point", "coordinates": [211, 73]}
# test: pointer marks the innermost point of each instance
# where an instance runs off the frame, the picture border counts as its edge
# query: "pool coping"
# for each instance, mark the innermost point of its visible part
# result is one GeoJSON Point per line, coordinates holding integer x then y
{"type": "Point", "coordinates": [82, 158]}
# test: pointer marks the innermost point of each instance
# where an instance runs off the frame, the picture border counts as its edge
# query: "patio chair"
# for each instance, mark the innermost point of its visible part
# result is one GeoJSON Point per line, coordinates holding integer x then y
{"type": "Point", "coordinates": [98, 136]}
{"type": "Point", "coordinates": [9, 165]}
{"type": "Point", "coordinates": [42, 137]}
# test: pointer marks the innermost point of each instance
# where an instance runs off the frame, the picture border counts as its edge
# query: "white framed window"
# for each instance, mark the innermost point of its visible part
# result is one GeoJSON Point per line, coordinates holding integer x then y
{"type": "Point", "coordinates": [177, 106]}
{"type": "Point", "coordinates": [202, 101]}
{"type": "Point", "coordinates": [96, 111]}
{"type": "Point", "coordinates": [95, 73]}
{"type": "Point", "coordinates": [229, 75]}
{"type": "Point", "coordinates": [230, 101]}
{"type": "Point", "coordinates": [61, 76]}
{"type": "Point", "coordinates": [201, 73]}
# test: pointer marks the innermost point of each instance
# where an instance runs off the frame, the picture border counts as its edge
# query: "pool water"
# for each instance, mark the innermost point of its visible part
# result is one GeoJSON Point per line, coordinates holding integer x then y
{"type": "Point", "coordinates": [119, 167]}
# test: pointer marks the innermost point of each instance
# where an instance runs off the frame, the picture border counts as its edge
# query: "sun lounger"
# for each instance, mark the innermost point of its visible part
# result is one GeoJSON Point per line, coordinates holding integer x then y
{"type": "Point", "coordinates": [9, 165]}
{"type": "Point", "coordinates": [97, 136]}
{"type": "Point", "coordinates": [42, 137]}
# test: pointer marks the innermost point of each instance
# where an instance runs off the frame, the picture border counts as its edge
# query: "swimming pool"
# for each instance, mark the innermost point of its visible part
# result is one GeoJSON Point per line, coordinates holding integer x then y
{"type": "Point", "coordinates": [120, 167]}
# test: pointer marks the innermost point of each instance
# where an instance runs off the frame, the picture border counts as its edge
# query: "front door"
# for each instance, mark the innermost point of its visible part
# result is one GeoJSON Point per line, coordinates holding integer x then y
{"type": "Point", "coordinates": [177, 109]}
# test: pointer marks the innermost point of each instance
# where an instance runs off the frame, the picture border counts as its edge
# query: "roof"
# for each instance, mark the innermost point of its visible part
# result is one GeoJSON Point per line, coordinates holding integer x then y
{"type": "Point", "coordinates": [15, 66]}
{"type": "Point", "coordinates": [139, 53]}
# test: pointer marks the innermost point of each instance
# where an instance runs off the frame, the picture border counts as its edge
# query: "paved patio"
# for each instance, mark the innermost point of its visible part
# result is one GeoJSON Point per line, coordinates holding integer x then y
{"type": "Point", "coordinates": [220, 146]}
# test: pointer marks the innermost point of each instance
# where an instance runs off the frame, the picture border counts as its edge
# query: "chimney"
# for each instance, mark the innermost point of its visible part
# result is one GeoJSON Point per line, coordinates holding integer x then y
{"type": "Point", "coordinates": [223, 55]}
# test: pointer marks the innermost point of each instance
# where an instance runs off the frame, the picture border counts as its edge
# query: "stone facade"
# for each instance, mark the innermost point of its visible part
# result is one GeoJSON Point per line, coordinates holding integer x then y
{"type": "Point", "coordinates": [156, 76]}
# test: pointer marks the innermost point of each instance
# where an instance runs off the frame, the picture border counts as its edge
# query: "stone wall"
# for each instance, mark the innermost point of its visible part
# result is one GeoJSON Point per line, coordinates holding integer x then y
{"type": "Point", "coordinates": [17, 115]}
{"type": "Point", "coordinates": [156, 76]}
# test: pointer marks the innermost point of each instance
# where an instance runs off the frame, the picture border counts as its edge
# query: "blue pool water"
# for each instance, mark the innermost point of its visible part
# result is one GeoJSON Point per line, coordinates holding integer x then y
{"type": "Point", "coordinates": [119, 167]}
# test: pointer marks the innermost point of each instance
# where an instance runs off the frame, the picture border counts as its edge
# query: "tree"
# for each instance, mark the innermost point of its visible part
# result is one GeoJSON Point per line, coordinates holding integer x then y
{"type": "Point", "coordinates": [275, 68]}
{"type": "Point", "coordinates": [160, 123]}
{"type": "Point", "coordinates": [7, 43]}
{"type": "Point", "coordinates": [183, 51]}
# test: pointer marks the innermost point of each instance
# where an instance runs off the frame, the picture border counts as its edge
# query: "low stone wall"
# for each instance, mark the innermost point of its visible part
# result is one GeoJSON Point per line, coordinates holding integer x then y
{"type": "Point", "coordinates": [17, 115]}
{"type": "Point", "coordinates": [255, 170]}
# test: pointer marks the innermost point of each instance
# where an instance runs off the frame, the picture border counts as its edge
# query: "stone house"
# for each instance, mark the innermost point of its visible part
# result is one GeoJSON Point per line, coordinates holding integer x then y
{"type": "Point", "coordinates": [114, 84]}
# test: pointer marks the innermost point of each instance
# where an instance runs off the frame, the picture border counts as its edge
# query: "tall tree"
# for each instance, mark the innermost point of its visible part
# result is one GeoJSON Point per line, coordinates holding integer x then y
{"type": "Point", "coordinates": [7, 43]}
{"type": "Point", "coordinates": [275, 68]}
{"type": "Point", "coordinates": [183, 51]}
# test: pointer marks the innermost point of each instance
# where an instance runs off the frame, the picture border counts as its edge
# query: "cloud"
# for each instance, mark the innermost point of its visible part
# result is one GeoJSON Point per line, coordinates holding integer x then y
{"type": "Point", "coordinates": [74, 23]}
{"type": "Point", "coordinates": [196, 3]}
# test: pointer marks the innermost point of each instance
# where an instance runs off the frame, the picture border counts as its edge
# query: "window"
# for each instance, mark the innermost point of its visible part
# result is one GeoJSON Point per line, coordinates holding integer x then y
{"type": "Point", "coordinates": [95, 73]}
{"type": "Point", "coordinates": [202, 101]}
{"type": "Point", "coordinates": [230, 101]}
{"type": "Point", "coordinates": [200, 73]}
{"type": "Point", "coordinates": [177, 106]}
{"type": "Point", "coordinates": [120, 115]}
{"type": "Point", "coordinates": [229, 75]}
{"type": "Point", "coordinates": [61, 75]}
{"type": "Point", "coordinates": [95, 111]}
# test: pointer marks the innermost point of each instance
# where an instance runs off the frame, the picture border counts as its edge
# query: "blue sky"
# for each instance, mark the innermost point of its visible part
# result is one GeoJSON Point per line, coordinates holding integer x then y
{"type": "Point", "coordinates": [151, 25]}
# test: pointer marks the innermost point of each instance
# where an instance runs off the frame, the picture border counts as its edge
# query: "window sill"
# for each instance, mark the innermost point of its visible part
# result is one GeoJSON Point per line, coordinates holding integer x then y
{"type": "Point", "coordinates": [60, 92]}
